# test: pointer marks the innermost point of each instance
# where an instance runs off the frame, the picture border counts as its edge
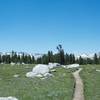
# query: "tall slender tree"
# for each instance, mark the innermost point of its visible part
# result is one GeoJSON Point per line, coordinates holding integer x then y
{"type": "Point", "coordinates": [61, 54]}
{"type": "Point", "coordinates": [50, 56]}
{"type": "Point", "coordinates": [81, 60]}
{"type": "Point", "coordinates": [0, 59]}
{"type": "Point", "coordinates": [67, 59]}
{"type": "Point", "coordinates": [96, 61]}
{"type": "Point", "coordinates": [39, 60]}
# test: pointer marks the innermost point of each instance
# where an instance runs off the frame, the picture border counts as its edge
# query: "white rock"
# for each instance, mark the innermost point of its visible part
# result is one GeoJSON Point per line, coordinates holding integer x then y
{"type": "Point", "coordinates": [8, 98]}
{"type": "Point", "coordinates": [23, 63]}
{"type": "Point", "coordinates": [18, 64]}
{"type": "Point", "coordinates": [97, 70]}
{"type": "Point", "coordinates": [47, 75]}
{"type": "Point", "coordinates": [16, 76]}
{"type": "Point", "coordinates": [41, 69]}
{"type": "Point", "coordinates": [73, 66]}
{"type": "Point", "coordinates": [38, 71]}
{"type": "Point", "coordinates": [30, 74]}
{"type": "Point", "coordinates": [64, 66]}
{"type": "Point", "coordinates": [39, 75]}
{"type": "Point", "coordinates": [43, 78]}
{"type": "Point", "coordinates": [53, 65]}
{"type": "Point", "coordinates": [53, 70]}
{"type": "Point", "coordinates": [12, 63]}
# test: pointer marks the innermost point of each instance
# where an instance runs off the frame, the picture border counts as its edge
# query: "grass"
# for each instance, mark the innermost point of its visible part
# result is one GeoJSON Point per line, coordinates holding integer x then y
{"type": "Point", "coordinates": [59, 87]}
{"type": "Point", "coordinates": [91, 79]}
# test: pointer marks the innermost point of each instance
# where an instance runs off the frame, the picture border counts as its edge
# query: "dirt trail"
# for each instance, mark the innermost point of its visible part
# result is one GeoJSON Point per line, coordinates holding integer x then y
{"type": "Point", "coordinates": [79, 94]}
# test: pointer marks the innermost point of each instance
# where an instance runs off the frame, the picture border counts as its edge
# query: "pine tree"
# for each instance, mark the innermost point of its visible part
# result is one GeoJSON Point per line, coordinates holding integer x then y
{"type": "Point", "coordinates": [22, 58]}
{"type": "Point", "coordinates": [61, 54]}
{"type": "Point", "coordinates": [0, 59]}
{"type": "Point", "coordinates": [67, 59]}
{"type": "Point", "coordinates": [33, 60]}
{"type": "Point", "coordinates": [29, 60]}
{"type": "Point", "coordinates": [77, 61]}
{"type": "Point", "coordinates": [96, 61]}
{"type": "Point", "coordinates": [14, 57]}
{"type": "Point", "coordinates": [99, 59]}
{"type": "Point", "coordinates": [50, 56]}
{"type": "Point", "coordinates": [39, 60]}
{"type": "Point", "coordinates": [3, 59]}
{"type": "Point", "coordinates": [56, 58]}
{"type": "Point", "coordinates": [81, 60]}
{"type": "Point", "coordinates": [7, 59]}
{"type": "Point", "coordinates": [25, 59]}
{"type": "Point", "coordinates": [71, 58]}
{"type": "Point", "coordinates": [89, 61]}
{"type": "Point", "coordinates": [45, 59]}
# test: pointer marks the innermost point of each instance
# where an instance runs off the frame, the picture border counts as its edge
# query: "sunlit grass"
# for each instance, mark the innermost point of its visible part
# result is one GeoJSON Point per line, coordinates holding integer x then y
{"type": "Point", "coordinates": [91, 79]}
{"type": "Point", "coordinates": [59, 87]}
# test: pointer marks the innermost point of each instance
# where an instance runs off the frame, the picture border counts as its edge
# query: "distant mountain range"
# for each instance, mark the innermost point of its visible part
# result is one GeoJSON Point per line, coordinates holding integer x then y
{"type": "Point", "coordinates": [37, 55]}
{"type": "Point", "coordinates": [85, 56]}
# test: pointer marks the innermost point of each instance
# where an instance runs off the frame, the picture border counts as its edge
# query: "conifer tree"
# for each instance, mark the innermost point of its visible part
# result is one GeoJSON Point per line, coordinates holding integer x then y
{"type": "Point", "coordinates": [39, 60]}
{"type": "Point", "coordinates": [67, 59]}
{"type": "Point", "coordinates": [50, 56]}
{"type": "Point", "coordinates": [0, 59]}
{"type": "Point", "coordinates": [61, 54]}
{"type": "Point", "coordinates": [33, 60]}
{"type": "Point", "coordinates": [96, 61]}
{"type": "Point", "coordinates": [81, 60]}
{"type": "Point", "coordinates": [45, 59]}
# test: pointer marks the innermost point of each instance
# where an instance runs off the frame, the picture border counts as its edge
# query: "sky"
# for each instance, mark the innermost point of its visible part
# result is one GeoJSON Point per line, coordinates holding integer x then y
{"type": "Point", "coordinates": [40, 25]}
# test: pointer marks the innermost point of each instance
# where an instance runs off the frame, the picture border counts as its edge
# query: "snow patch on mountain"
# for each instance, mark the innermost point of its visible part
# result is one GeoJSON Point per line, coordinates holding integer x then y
{"type": "Point", "coordinates": [85, 56]}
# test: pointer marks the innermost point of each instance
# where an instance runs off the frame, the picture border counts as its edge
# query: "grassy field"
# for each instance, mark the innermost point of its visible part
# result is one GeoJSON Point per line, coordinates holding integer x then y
{"type": "Point", "coordinates": [91, 79]}
{"type": "Point", "coordinates": [59, 87]}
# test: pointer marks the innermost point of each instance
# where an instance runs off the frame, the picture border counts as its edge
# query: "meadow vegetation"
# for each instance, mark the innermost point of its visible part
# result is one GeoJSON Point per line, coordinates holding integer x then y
{"type": "Point", "coordinates": [59, 87]}
{"type": "Point", "coordinates": [91, 80]}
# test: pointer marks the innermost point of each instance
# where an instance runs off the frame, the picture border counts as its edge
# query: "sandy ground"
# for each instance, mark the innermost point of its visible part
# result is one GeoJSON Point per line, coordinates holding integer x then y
{"type": "Point", "coordinates": [78, 95]}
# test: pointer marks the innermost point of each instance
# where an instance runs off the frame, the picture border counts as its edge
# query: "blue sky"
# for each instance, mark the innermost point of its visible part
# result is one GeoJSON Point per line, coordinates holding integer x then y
{"type": "Point", "coordinates": [40, 25]}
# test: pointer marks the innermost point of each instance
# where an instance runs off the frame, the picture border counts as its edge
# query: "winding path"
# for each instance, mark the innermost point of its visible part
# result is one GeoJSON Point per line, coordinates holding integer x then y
{"type": "Point", "coordinates": [79, 94]}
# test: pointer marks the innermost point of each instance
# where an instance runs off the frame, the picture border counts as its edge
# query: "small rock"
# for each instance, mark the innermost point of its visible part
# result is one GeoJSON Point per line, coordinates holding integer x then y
{"type": "Point", "coordinates": [16, 76]}
{"type": "Point", "coordinates": [97, 70]}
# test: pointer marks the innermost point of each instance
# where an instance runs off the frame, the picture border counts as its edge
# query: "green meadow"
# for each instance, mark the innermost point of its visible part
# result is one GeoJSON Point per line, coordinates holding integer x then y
{"type": "Point", "coordinates": [59, 87]}
{"type": "Point", "coordinates": [91, 80]}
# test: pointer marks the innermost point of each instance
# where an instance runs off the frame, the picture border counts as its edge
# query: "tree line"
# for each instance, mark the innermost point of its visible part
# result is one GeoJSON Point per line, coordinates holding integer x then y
{"type": "Point", "coordinates": [60, 57]}
{"type": "Point", "coordinates": [14, 58]}
{"type": "Point", "coordinates": [65, 58]}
